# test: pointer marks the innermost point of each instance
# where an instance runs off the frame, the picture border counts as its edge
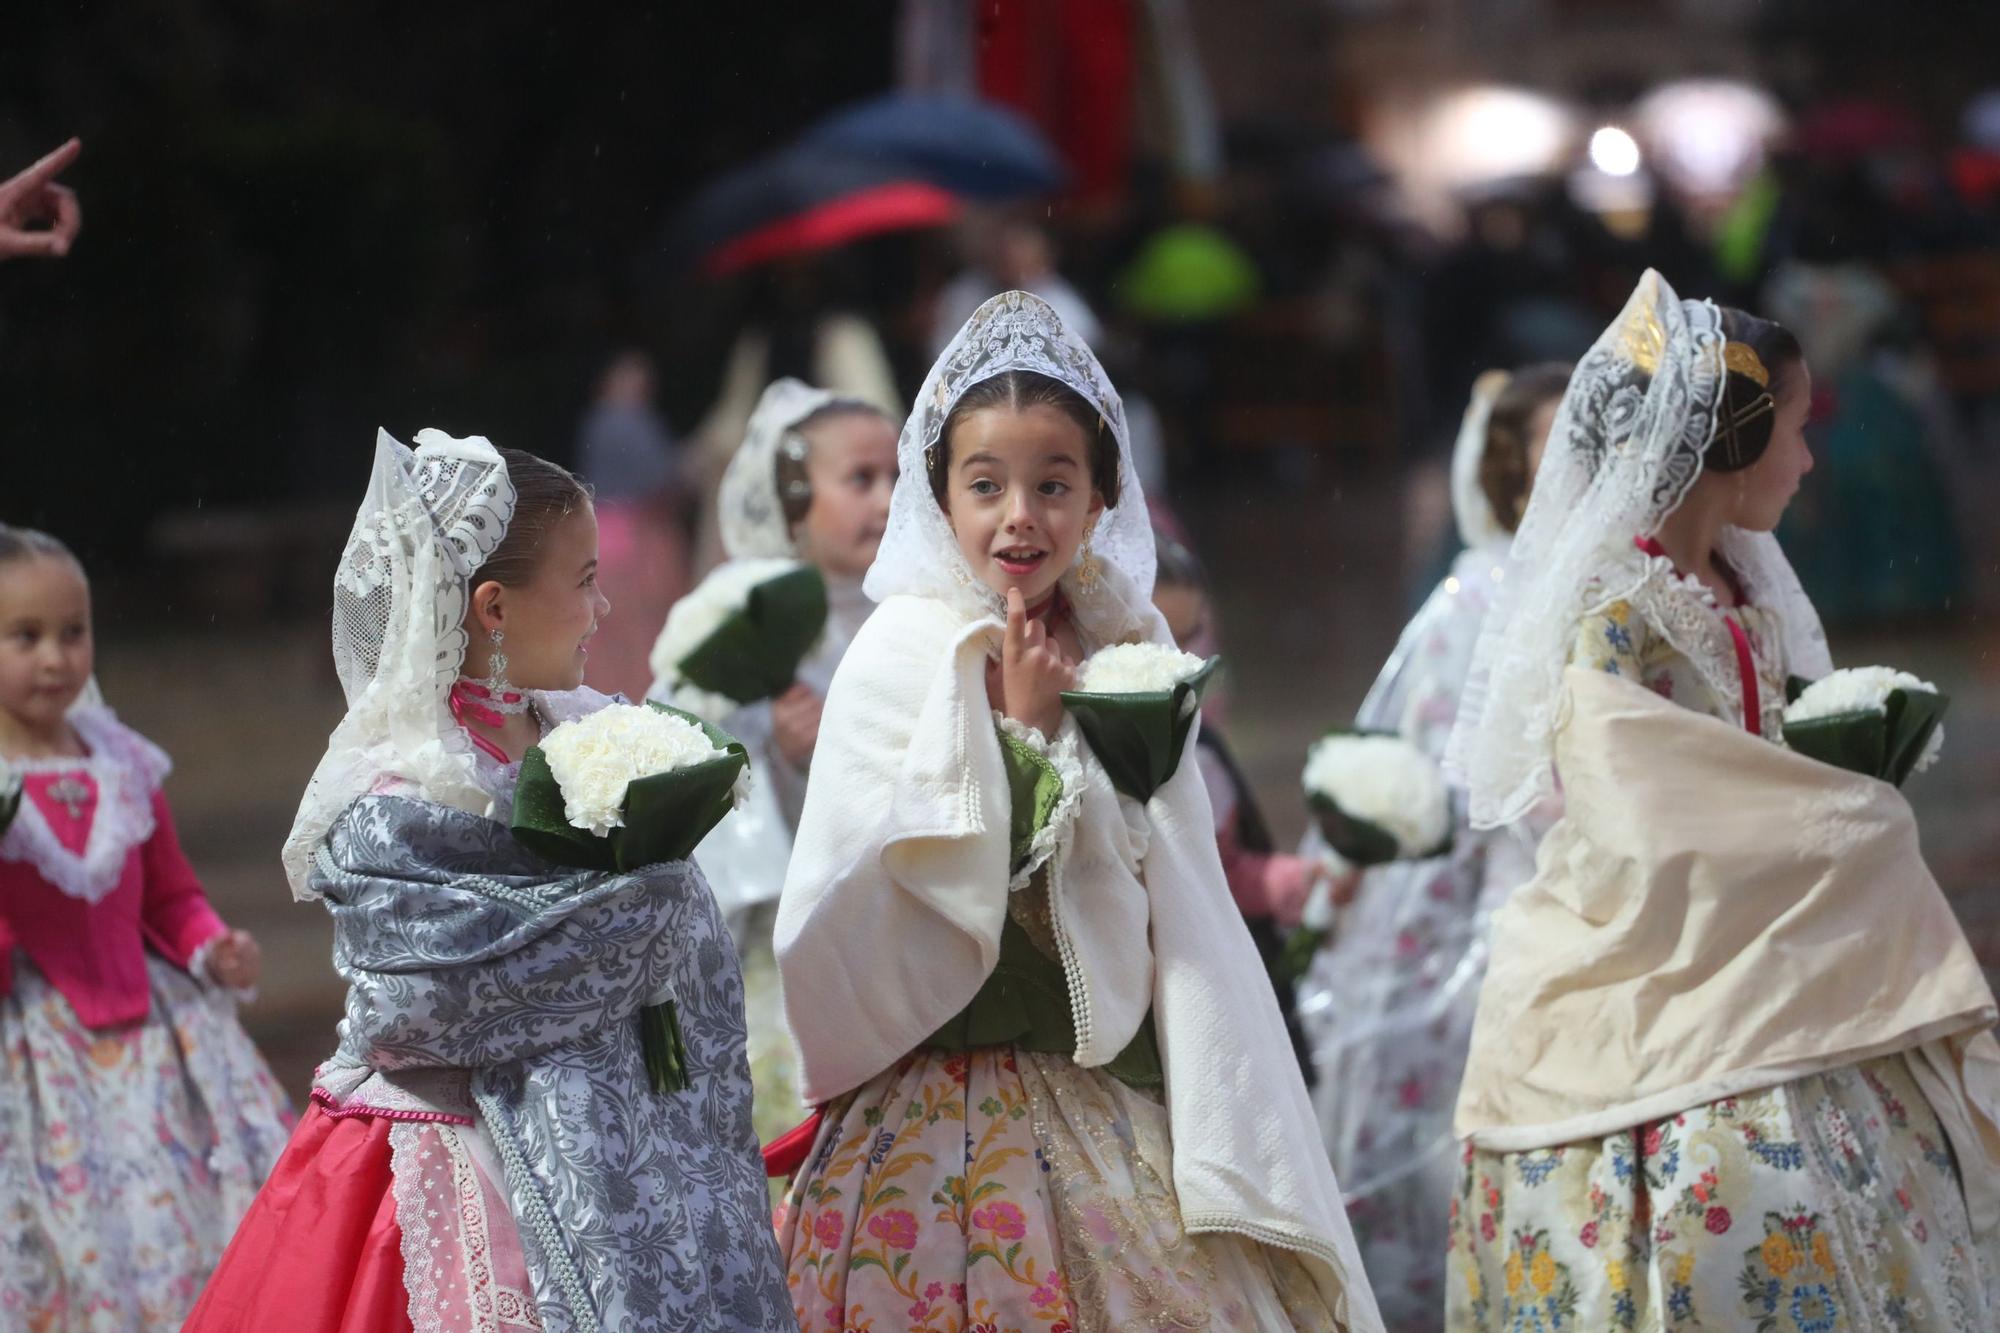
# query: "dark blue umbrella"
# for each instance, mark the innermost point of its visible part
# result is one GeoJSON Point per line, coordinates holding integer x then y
{"type": "Point", "coordinates": [798, 200]}
{"type": "Point", "coordinates": [970, 147]}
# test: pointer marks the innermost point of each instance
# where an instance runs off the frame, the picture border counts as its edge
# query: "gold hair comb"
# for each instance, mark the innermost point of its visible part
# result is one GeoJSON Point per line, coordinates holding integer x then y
{"type": "Point", "coordinates": [1743, 359]}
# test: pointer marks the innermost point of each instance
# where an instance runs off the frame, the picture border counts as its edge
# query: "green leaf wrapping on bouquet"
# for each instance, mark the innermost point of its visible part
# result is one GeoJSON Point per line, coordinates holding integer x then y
{"type": "Point", "coordinates": [1885, 745]}
{"type": "Point", "coordinates": [755, 653]}
{"type": "Point", "coordinates": [666, 815]}
{"type": "Point", "coordinates": [1361, 841]}
{"type": "Point", "coordinates": [1034, 789]}
{"type": "Point", "coordinates": [1139, 737]}
{"type": "Point", "coordinates": [10, 805]}
{"type": "Point", "coordinates": [664, 1049]}
{"type": "Point", "coordinates": [1300, 947]}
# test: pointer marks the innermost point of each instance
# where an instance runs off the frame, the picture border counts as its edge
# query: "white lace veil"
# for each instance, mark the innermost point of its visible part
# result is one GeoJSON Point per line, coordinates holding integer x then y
{"type": "Point", "coordinates": [1017, 331]}
{"type": "Point", "coordinates": [751, 511]}
{"type": "Point", "coordinates": [1477, 524]}
{"type": "Point", "coordinates": [428, 522]}
{"type": "Point", "coordinates": [1624, 450]}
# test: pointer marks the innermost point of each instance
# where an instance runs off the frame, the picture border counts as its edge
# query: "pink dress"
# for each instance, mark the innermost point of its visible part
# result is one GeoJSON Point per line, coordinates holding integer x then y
{"type": "Point", "coordinates": [136, 1118]}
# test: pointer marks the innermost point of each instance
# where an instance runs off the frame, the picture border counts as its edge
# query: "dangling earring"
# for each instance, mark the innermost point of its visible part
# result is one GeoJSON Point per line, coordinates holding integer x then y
{"type": "Point", "coordinates": [1087, 567]}
{"type": "Point", "coordinates": [497, 693]}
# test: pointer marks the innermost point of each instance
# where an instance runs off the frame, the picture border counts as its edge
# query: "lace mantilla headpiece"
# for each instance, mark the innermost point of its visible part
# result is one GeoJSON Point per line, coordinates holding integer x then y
{"type": "Point", "coordinates": [1478, 525]}
{"type": "Point", "coordinates": [750, 503]}
{"type": "Point", "coordinates": [1017, 331]}
{"type": "Point", "coordinates": [1626, 446]}
{"type": "Point", "coordinates": [429, 520]}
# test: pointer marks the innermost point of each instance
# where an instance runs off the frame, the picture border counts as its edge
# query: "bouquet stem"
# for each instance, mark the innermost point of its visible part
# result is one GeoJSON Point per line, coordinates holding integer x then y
{"type": "Point", "coordinates": [664, 1049]}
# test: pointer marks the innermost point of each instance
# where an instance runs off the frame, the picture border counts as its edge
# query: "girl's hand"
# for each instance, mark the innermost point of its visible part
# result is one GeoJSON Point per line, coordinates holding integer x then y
{"type": "Point", "coordinates": [235, 961]}
{"type": "Point", "coordinates": [795, 724]}
{"type": "Point", "coordinates": [1034, 670]}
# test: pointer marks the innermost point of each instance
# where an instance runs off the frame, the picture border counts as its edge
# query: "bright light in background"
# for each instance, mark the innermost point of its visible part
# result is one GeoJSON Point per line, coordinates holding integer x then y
{"type": "Point", "coordinates": [1708, 136]}
{"type": "Point", "coordinates": [1489, 134]}
{"type": "Point", "coordinates": [1614, 152]}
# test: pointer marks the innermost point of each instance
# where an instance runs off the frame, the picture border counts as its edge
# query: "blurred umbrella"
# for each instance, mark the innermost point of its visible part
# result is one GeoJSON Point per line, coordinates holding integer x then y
{"type": "Point", "coordinates": [1188, 272]}
{"type": "Point", "coordinates": [971, 147]}
{"type": "Point", "coordinates": [798, 201]}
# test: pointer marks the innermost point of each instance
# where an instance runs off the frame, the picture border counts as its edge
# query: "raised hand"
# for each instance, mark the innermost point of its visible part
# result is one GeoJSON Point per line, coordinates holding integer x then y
{"type": "Point", "coordinates": [1034, 670]}
{"type": "Point", "coordinates": [795, 724]}
{"type": "Point", "coordinates": [235, 961]}
{"type": "Point", "coordinates": [33, 197]}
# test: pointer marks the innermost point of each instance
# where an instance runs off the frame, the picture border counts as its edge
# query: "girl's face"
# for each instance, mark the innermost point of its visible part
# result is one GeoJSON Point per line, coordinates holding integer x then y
{"type": "Point", "coordinates": [852, 468]}
{"type": "Point", "coordinates": [547, 621]}
{"type": "Point", "coordinates": [1019, 496]}
{"type": "Point", "coordinates": [1766, 487]}
{"type": "Point", "coordinates": [1540, 422]}
{"type": "Point", "coordinates": [46, 652]}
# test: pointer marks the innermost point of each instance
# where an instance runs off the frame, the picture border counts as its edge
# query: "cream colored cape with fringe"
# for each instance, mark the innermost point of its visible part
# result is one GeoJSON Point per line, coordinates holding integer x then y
{"type": "Point", "coordinates": [1716, 914]}
{"type": "Point", "coordinates": [893, 906]}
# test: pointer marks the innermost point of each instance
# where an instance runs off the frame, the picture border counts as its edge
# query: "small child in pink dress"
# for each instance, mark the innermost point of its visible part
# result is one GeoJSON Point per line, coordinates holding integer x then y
{"type": "Point", "coordinates": [136, 1118]}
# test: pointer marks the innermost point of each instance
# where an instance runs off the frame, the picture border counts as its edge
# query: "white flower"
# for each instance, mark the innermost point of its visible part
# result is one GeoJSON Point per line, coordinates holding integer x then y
{"type": "Point", "coordinates": [707, 607]}
{"type": "Point", "coordinates": [1136, 668]}
{"type": "Point", "coordinates": [1863, 690]}
{"type": "Point", "coordinates": [1386, 781]}
{"type": "Point", "coordinates": [595, 758]}
{"type": "Point", "coordinates": [707, 705]}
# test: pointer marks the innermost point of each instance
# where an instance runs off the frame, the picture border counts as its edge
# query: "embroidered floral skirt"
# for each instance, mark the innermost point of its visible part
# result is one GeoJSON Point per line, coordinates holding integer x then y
{"type": "Point", "coordinates": [1831, 1204]}
{"type": "Point", "coordinates": [1005, 1192]}
{"type": "Point", "coordinates": [127, 1155]}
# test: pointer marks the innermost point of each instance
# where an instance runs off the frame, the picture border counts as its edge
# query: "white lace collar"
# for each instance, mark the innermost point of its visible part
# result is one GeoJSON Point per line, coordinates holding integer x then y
{"type": "Point", "coordinates": [127, 769]}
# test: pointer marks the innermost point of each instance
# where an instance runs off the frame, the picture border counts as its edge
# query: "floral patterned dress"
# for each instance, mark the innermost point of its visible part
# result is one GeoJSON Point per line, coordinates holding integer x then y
{"type": "Point", "coordinates": [1827, 1204]}
{"type": "Point", "coordinates": [988, 1184]}
{"type": "Point", "coordinates": [137, 1120]}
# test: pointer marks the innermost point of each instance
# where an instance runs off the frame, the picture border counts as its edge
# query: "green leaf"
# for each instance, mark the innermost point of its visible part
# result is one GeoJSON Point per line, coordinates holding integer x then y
{"type": "Point", "coordinates": [755, 653]}
{"type": "Point", "coordinates": [1139, 737]}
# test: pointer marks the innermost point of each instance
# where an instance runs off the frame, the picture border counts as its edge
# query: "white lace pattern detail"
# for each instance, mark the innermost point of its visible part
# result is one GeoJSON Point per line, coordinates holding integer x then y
{"type": "Point", "coordinates": [1625, 448]}
{"type": "Point", "coordinates": [448, 1259]}
{"type": "Point", "coordinates": [126, 769]}
{"type": "Point", "coordinates": [919, 555]}
{"type": "Point", "coordinates": [428, 521]}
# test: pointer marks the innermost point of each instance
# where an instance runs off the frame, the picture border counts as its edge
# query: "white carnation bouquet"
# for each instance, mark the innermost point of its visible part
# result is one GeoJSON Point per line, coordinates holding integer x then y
{"type": "Point", "coordinates": [1377, 797]}
{"type": "Point", "coordinates": [1135, 703]}
{"type": "Point", "coordinates": [1876, 721]}
{"type": "Point", "coordinates": [627, 786]}
{"type": "Point", "coordinates": [739, 635]}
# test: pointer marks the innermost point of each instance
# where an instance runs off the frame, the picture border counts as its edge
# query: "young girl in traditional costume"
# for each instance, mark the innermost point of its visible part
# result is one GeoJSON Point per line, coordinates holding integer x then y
{"type": "Point", "coordinates": [1056, 1089]}
{"type": "Point", "coordinates": [810, 482]}
{"type": "Point", "coordinates": [484, 1150]}
{"type": "Point", "coordinates": [1388, 1003]}
{"type": "Point", "coordinates": [1731, 1066]}
{"type": "Point", "coordinates": [136, 1119]}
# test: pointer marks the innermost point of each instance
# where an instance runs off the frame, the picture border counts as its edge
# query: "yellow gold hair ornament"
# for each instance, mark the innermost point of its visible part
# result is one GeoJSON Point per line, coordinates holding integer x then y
{"type": "Point", "coordinates": [1743, 359]}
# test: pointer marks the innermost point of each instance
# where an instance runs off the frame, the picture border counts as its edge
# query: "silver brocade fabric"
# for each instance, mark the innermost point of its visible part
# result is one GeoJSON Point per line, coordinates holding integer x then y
{"type": "Point", "coordinates": [461, 949]}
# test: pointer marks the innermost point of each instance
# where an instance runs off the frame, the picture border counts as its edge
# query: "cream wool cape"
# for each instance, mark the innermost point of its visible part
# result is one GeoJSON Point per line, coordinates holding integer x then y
{"type": "Point", "coordinates": [892, 912]}
{"type": "Point", "coordinates": [1714, 915]}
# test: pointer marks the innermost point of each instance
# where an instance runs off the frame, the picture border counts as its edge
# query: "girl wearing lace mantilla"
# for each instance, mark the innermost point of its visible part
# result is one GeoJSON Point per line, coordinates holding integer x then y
{"type": "Point", "coordinates": [136, 1119]}
{"type": "Point", "coordinates": [1731, 1065]}
{"type": "Point", "coordinates": [1387, 1005]}
{"type": "Point", "coordinates": [484, 1151]}
{"type": "Point", "coordinates": [1056, 1091]}
{"type": "Point", "coordinates": [811, 481]}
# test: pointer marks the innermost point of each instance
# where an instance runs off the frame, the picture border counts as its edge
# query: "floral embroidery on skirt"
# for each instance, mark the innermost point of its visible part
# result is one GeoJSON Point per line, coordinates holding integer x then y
{"type": "Point", "coordinates": [999, 1191]}
{"type": "Point", "coordinates": [127, 1154]}
{"type": "Point", "coordinates": [1830, 1204]}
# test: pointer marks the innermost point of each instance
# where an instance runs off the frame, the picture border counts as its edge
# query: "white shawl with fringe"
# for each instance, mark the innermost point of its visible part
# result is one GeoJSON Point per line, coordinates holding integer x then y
{"type": "Point", "coordinates": [892, 912]}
